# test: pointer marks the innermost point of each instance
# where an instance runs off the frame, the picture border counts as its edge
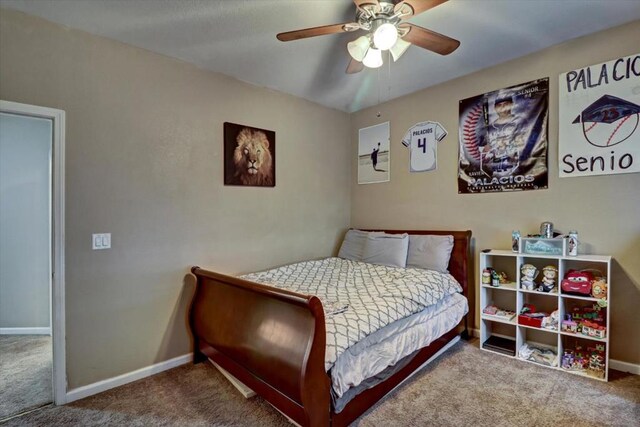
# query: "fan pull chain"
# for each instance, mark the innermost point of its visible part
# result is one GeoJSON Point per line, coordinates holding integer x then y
{"type": "Point", "coordinates": [378, 114]}
{"type": "Point", "coordinates": [388, 76]}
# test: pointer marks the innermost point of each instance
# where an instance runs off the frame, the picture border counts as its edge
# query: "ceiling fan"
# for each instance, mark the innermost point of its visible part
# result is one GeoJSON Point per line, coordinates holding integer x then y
{"type": "Point", "coordinates": [384, 21]}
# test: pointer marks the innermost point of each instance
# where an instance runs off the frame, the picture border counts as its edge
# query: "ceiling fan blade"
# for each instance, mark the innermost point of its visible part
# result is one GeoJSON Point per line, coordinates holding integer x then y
{"type": "Point", "coordinates": [354, 67]}
{"type": "Point", "coordinates": [430, 40]}
{"type": "Point", "coordinates": [416, 7]}
{"type": "Point", "coordinates": [317, 31]}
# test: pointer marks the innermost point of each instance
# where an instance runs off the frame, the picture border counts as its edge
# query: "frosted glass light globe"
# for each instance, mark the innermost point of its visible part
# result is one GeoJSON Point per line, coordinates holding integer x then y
{"type": "Point", "coordinates": [373, 58]}
{"type": "Point", "coordinates": [385, 36]}
{"type": "Point", "coordinates": [358, 48]}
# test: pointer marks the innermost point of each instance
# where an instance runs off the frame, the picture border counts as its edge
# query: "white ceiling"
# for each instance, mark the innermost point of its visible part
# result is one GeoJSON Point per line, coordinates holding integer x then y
{"type": "Point", "coordinates": [238, 38]}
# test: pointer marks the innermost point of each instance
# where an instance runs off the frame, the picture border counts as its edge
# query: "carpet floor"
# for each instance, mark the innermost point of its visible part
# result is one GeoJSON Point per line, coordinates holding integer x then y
{"type": "Point", "coordinates": [465, 386]}
{"type": "Point", "coordinates": [25, 373]}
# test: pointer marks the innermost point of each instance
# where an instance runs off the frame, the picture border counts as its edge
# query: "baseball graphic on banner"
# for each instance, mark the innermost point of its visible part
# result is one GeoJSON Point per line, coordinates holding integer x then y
{"type": "Point", "coordinates": [608, 121]}
{"type": "Point", "coordinates": [600, 119]}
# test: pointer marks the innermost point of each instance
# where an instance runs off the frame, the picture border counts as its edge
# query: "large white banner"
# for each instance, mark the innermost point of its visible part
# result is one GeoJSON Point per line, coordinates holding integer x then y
{"type": "Point", "coordinates": [599, 119]}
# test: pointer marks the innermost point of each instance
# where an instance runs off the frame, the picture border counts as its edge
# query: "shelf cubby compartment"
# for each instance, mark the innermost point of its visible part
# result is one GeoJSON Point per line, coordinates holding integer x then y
{"type": "Point", "coordinates": [584, 357]}
{"type": "Point", "coordinates": [540, 264]}
{"type": "Point", "coordinates": [501, 335]}
{"type": "Point", "coordinates": [547, 343]}
{"type": "Point", "coordinates": [601, 264]}
{"type": "Point", "coordinates": [541, 301]}
{"type": "Point", "coordinates": [588, 310]}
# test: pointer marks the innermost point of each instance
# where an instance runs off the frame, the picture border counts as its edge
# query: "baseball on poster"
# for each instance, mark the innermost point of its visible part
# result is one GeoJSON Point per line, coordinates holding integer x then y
{"type": "Point", "coordinates": [373, 154]}
{"type": "Point", "coordinates": [598, 119]}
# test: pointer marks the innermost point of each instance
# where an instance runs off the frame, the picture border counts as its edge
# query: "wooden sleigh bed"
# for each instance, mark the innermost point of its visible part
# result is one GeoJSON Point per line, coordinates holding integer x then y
{"type": "Point", "coordinates": [273, 340]}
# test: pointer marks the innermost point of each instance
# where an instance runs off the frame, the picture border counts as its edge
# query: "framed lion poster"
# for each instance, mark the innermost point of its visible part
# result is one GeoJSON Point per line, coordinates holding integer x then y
{"type": "Point", "coordinates": [249, 156]}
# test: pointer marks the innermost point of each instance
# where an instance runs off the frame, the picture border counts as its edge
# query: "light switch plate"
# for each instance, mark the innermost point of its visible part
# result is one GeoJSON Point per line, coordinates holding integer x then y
{"type": "Point", "coordinates": [101, 241]}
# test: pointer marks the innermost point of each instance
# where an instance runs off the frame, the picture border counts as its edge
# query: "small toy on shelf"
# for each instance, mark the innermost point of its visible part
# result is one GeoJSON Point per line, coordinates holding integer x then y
{"type": "Point", "coordinates": [501, 313]}
{"type": "Point", "coordinates": [551, 321]}
{"type": "Point", "coordinates": [487, 274]}
{"type": "Point", "coordinates": [530, 317]}
{"type": "Point", "coordinates": [593, 329]}
{"type": "Point", "coordinates": [550, 275]}
{"type": "Point", "coordinates": [567, 359]}
{"type": "Point", "coordinates": [495, 279]}
{"type": "Point", "coordinates": [596, 365]}
{"type": "Point", "coordinates": [599, 288]}
{"type": "Point", "coordinates": [503, 278]}
{"type": "Point", "coordinates": [577, 282]}
{"type": "Point", "coordinates": [568, 325]}
{"type": "Point", "coordinates": [490, 309]}
{"type": "Point", "coordinates": [529, 273]}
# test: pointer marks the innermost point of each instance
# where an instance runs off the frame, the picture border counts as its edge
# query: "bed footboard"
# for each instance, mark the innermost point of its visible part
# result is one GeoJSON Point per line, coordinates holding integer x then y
{"type": "Point", "coordinates": [271, 339]}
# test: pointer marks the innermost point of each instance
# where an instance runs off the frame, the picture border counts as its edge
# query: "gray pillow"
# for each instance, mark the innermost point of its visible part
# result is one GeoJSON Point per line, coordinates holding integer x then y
{"type": "Point", "coordinates": [353, 244]}
{"type": "Point", "coordinates": [430, 251]}
{"type": "Point", "coordinates": [386, 249]}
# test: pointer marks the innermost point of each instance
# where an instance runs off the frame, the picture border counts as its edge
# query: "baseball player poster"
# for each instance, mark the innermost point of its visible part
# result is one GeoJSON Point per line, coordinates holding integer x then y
{"type": "Point", "coordinates": [503, 139]}
{"type": "Point", "coordinates": [598, 119]}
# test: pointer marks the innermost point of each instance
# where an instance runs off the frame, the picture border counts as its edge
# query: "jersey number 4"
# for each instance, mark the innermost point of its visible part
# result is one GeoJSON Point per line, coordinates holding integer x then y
{"type": "Point", "coordinates": [422, 143]}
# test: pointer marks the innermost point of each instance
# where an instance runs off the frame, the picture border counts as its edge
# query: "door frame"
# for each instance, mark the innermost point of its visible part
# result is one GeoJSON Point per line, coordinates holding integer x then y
{"type": "Point", "coordinates": [58, 238]}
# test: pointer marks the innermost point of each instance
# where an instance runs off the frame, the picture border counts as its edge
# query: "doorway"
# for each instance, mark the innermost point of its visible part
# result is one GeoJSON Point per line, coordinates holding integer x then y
{"type": "Point", "coordinates": [31, 258]}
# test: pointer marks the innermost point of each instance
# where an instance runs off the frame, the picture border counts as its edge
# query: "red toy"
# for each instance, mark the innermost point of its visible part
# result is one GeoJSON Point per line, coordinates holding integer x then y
{"type": "Point", "coordinates": [577, 282]}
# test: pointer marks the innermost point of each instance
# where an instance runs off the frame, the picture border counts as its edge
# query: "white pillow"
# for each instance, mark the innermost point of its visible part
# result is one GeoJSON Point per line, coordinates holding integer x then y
{"type": "Point", "coordinates": [430, 251]}
{"type": "Point", "coordinates": [353, 244]}
{"type": "Point", "coordinates": [386, 249]}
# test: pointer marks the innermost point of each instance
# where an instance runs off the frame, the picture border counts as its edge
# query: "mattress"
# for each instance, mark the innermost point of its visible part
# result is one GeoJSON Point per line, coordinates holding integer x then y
{"type": "Point", "coordinates": [387, 346]}
{"type": "Point", "coordinates": [360, 298]}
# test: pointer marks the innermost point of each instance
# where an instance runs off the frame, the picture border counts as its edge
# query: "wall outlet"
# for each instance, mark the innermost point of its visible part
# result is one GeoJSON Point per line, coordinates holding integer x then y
{"type": "Point", "coordinates": [101, 241]}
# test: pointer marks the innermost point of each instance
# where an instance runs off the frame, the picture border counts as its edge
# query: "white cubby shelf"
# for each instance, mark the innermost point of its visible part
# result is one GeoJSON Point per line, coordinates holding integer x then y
{"type": "Point", "coordinates": [510, 296]}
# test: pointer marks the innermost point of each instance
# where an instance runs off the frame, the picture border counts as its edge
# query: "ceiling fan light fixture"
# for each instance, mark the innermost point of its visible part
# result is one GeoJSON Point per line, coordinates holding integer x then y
{"type": "Point", "coordinates": [358, 48]}
{"type": "Point", "coordinates": [373, 58]}
{"type": "Point", "coordinates": [398, 49]}
{"type": "Point", "coordinates": [385, 36]}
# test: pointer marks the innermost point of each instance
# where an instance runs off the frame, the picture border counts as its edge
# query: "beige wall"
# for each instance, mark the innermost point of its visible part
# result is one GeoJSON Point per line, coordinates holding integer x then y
{"type": "Point", "coordinates": [144, 162]}
{"type": "Point", "coordinates": [605, 209]}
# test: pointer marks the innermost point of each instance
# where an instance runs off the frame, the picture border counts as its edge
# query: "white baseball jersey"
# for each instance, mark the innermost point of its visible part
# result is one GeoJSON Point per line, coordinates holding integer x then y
{"type": "Point", "coordinates": [422, 140]}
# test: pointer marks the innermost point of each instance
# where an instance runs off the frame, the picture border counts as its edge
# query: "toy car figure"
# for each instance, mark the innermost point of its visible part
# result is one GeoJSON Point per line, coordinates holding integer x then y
{"type": "Point", "coordinates": [578, 282]}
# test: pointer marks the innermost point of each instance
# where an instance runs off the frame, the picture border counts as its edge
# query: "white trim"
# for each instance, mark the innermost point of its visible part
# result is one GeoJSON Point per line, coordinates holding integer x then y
{"type": "Point", "coordinates": [104, 385]}
{"type": "Point", "coordinates": [619, 365]}
{"type": "Point", "coordinates": [58, 278]}
{"type": "Point", "coordinates": [25, 331]}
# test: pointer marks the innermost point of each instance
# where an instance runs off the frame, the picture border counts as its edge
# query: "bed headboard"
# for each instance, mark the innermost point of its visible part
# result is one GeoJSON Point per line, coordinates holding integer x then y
{"type": "Point", "coordinates": [459, 265]}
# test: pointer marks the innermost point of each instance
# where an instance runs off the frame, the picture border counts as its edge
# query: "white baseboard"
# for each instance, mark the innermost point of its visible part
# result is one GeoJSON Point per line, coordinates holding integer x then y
{"type": "Point", "coordinates": [104, 385]}
{"type": "Point", "coordinates": [618, 365]}
{"type": "Point", "coordinates": [25, 331]}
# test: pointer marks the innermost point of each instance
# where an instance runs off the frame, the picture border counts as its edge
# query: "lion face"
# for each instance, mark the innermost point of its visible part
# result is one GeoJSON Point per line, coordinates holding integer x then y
{"type": "Point", "coordinates": [252, 158]}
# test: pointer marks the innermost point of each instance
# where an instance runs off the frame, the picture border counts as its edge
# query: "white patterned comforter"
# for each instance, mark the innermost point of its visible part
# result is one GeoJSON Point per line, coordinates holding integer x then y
{"type": "Point", "coordinates": [359, 298]}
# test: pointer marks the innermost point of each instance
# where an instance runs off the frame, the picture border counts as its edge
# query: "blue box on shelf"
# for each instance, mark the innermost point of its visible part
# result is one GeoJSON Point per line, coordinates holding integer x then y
{"type": "Point", "coordinates": [542, 246]}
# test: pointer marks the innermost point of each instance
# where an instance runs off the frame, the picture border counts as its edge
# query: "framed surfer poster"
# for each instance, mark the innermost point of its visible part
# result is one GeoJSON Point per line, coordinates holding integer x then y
{"type": "Point", "coordinates": [598, 119]}
{"type": "Point", "coordinates": [373, 154]}
{"type": "Point", "coordinates": [503, 139]}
